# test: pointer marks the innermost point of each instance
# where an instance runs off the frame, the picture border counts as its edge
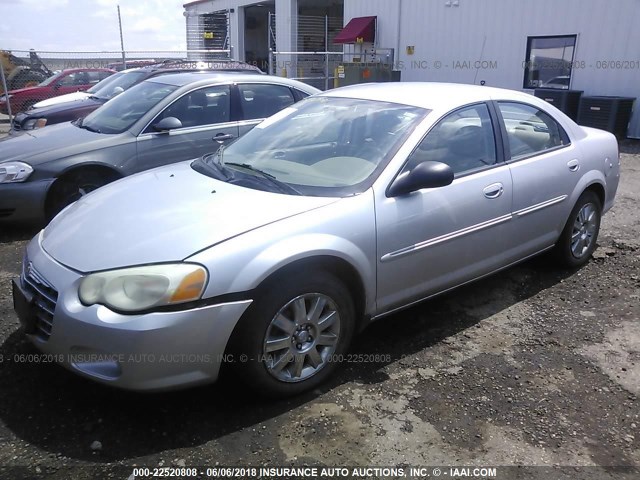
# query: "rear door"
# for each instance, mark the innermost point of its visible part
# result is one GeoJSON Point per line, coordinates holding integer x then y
{"type": "Point", "coordinates": [207, 123]}
{"type": "Point", "coordinates": [257, 101]}
{"type": "Point", "coordinates": [545, 170]}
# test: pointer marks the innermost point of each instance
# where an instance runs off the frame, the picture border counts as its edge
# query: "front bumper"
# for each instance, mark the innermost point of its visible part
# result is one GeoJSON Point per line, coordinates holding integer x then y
{"type": "Point", "coordinates": [155, 351]}
{"type": "Point", "coordinates": [23, 202]}
{"type": "Point", "coordinates": [19, 121]}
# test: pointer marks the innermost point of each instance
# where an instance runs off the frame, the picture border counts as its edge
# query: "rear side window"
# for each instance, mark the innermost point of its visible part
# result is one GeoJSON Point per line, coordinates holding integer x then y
{"type": "Point", "coordinates": [530, 131]}
{"type": "Point", "coordinates": [262, 100]}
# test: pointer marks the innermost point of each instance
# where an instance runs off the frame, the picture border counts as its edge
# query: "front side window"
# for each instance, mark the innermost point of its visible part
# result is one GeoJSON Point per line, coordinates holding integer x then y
{"type": "Point", "coordinates": [77, 78]}
{"type": "Point", "coordinates": [464, 140]}
{"type": "Point", "coordinates": [95, 77]}
{"type": "Point", "coordinates": [530, 131]}
{"type": "Point", "coordinates": [326, 146]}
{"type": "Point", "coordinates": [121, 112]}
{"type": "Point", "coordinates": [549, 61]}
{"type": "Point", "coordinates": [262, 100]}
{"type": "Point", "coordinates": [205, 106]}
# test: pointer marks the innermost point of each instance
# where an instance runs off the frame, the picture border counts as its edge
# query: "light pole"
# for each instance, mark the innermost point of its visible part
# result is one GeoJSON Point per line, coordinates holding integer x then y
{"type": "Point", "coordinates": [124, 60]}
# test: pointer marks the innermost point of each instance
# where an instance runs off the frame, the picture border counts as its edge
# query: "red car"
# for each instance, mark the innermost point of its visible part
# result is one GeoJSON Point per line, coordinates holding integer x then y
{"type": "Point", "coordinates": [67, 81]}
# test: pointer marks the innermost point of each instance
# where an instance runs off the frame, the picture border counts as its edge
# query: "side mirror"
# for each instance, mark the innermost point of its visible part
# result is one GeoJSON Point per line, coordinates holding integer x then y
{"type": "Point", "coordinates": [424, 175]}
{"type": "Point", "coordinates": [167, 124]}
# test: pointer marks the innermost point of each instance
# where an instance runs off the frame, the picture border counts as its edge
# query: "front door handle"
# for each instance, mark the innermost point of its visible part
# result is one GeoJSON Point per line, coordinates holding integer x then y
{"type": "Point", "coordinates": [494, 190]}
{"type": "Point", "coordinates": [574, 165]}
{"type": "Point", "coordinates": [223, 137]}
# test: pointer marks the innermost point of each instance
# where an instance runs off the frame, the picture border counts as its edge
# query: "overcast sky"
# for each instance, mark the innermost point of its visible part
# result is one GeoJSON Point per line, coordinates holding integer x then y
{"type": "Point", "coordinates": [91, 25]}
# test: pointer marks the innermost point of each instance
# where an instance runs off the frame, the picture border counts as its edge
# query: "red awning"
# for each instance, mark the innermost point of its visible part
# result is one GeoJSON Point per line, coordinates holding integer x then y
{"type": "Point", "coordinates": [359, 29]}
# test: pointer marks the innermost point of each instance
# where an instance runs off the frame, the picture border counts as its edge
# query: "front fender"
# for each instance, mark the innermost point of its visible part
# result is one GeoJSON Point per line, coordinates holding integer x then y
{"type": "Point", "coordinates": [344, 230]}
{"type": "Point", "coordinates": [304, 247]}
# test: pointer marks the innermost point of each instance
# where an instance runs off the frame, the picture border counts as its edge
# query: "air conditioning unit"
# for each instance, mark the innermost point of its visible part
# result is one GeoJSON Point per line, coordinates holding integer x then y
{"type": "Point", "coordinates": [567, 101]}
{"type": "Point", "coordinates": [607, 113]}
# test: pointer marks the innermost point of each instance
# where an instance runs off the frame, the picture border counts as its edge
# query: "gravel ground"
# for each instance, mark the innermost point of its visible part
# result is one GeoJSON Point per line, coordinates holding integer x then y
{"type": "Point", "coordinates": [534, 366]}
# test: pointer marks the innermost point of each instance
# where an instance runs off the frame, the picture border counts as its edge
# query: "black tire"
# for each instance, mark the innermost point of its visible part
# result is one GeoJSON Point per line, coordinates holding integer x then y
{"type": "Point", "coordinates": [580, 234]}
{"type": "Point", "coordinates": [255, 366]}
{"type": "Point", "coordinates": [72, 187]}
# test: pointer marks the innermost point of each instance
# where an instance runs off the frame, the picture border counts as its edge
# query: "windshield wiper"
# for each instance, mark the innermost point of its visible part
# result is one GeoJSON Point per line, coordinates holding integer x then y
{"type": "Point", "coordinates": [79, 123]}
{"type": "Point", "coordinates": [282, 186]}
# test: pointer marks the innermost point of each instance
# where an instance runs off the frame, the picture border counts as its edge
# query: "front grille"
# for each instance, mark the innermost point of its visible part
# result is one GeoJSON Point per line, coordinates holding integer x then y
{"type": "Point", "coordinates": [44, 299]}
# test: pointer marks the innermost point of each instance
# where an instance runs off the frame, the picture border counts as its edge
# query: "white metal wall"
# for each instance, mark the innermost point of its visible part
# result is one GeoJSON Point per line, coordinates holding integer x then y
{"type": "Point", "coordinates": [496, 31]}
{"type": "Point", "coordinates": [286, 18]}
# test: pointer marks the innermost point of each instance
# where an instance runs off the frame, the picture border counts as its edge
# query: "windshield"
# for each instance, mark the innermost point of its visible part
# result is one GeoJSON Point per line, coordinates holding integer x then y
{"type": "Point", "coordinates": [324, 146]}
{"type": "Point", "coordinates": [115, 84]}
{"type": "Point", "coordinates": [121, 112]}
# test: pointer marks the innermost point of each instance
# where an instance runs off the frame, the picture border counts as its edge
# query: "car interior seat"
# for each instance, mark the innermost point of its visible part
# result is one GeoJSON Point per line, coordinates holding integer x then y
{"type": "Point", "coordinates": [195, 112]}
{"type": "Point", "coordinates": [467, 149]}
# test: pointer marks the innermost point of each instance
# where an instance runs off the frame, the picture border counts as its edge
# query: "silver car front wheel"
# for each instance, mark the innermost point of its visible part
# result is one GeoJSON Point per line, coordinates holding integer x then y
{"type": "Point", "coordinates": [294, 333]}
{"type": "Point", "coordinates": [302, 337]}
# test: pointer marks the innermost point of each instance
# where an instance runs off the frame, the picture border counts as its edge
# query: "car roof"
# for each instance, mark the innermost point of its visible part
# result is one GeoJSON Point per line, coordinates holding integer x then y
{"type": "Point", "coordinates": [429, 95]}
{"type": "Point", "coordinates": [200, 65]}
{"type": "Point", "coordinates": [72, 70]}
{"type": "Point", "coordinates": [205, 78]}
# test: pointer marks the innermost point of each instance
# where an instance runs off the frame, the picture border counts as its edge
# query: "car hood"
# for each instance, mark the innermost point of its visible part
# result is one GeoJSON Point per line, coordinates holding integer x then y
{"type": "Point", "coordinates": [43, 111]}
{"type": "Point", "coordinates": [69, 97]}
{"type": "Point", "coordinates": [162, 215]}
{"type": "Point", "coordinates": [51, 143]}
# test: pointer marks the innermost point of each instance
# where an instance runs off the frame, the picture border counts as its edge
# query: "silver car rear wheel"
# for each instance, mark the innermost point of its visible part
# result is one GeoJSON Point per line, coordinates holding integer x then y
{"type": "Point", "coordinates": [302, 337]}
{"type": "Point", "coordinates": [580, 234]}
{"type": "Point", "coordinates": [584, 230]}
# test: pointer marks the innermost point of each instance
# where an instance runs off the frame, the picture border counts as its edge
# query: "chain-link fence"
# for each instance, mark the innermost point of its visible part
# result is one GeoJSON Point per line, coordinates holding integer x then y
{"type": "Point", "coordinates": [208, 33]}
{"type": "Point", "coordinates": [316, 58]}
{"type": "Point", "coordinates": [29, 78]}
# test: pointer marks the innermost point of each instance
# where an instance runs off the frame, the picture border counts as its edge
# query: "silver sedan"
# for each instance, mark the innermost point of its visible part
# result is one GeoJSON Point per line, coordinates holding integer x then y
{"type": "Point", "coordinates": [265, 258]}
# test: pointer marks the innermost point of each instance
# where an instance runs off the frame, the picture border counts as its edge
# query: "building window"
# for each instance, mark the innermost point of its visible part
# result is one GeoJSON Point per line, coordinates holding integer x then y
{"type": "Point", "coordinates": [549, 61]}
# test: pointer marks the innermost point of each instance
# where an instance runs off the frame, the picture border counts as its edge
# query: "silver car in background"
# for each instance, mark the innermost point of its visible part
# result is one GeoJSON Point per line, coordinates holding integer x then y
{"type": "Point", "coordinates": [266, 258]}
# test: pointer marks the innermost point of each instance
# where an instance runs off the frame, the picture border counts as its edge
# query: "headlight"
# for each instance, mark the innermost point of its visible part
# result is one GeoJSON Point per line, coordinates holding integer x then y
{"type": "Point", "coordinates": [14, 172]}
{"type": "Point", "coordinates": [33, 123]}
{"type": "Point", "coordinates": [142, 288]}
{"type": "Point", "coordinates": [5, 98]}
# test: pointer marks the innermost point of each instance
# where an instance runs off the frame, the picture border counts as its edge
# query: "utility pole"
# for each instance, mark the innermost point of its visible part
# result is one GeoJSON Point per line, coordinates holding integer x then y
{"type": "Point", "coordinates": [124, 60]}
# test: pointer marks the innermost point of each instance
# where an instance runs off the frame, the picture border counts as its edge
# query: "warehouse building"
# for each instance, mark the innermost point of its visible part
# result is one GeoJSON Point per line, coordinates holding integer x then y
{"type": "Point", "coordinates": [591, 46]}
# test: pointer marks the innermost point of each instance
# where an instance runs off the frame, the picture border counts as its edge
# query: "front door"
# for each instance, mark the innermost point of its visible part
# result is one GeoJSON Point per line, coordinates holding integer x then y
{"type": "Point", "coordinates": [434, 239]}
{"type": "Point", "coordinates": [205, 115]}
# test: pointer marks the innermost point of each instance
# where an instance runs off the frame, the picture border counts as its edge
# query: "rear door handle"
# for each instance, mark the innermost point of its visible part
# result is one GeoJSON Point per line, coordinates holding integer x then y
{"type": "Point", "coordinates": [494, 190]}
{"type": "Point", "coordinates": [223, 137]}
{"type": "Point", "coordinates": [574, 165]}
